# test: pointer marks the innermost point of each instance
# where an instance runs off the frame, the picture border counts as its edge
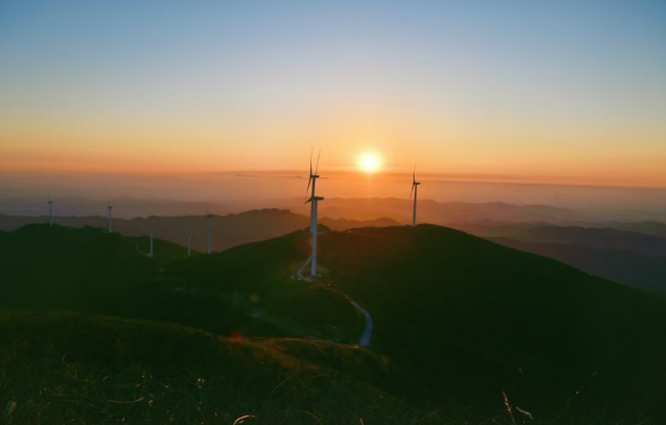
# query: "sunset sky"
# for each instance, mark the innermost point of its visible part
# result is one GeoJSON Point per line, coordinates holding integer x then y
{"type": "Point", "coordinates": [567, 92]}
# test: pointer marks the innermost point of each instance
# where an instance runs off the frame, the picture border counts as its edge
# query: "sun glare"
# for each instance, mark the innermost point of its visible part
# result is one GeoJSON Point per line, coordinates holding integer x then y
{"type": "Point", "coordinates": [369, 163]}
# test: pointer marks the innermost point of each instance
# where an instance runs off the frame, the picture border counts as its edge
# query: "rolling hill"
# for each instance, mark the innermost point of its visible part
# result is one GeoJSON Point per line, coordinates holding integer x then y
{"type": "Point", "coordinates": [461, 319]}
{"type": "Point", "coordinates": [89, 270]}
{"type": "Point", "coordinates": [472, 319]}
{"type": "Point", "coordinates": [69, 368]}
{"type": "Point", "coordinates": [342, 224]}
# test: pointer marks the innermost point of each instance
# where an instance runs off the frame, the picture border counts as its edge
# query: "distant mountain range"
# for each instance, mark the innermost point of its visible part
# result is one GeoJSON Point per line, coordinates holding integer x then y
{"type": "Point", "coordinates": [619, 254]}
{"type": "Point", "coordinates": [228, 231]}
{"type": "Point", "coordinates": [125, 207]}
{"type": "Point", "coordinates": [621, 265]}
{"type": "Point", "coordinates": [435, 212]}
{"type": "Point", "coordinates": [363, 209]}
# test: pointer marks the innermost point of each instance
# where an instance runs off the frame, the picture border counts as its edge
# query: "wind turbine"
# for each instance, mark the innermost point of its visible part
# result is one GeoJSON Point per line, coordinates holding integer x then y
{"type": "Point", "coordinates": [415, 189]}
{"type": "Point", "coordinates": [50, 212]}
{"type": "Point", "coordinates": [210, 230]}
{"type": "Point", "coordinates": [110, 219]}
{"type": "Point", "coordinates": [151, 241]}
{"type": "Point", "coordinates": [189, 242]}
{"type": "Point", "coordinates": [314, 206]}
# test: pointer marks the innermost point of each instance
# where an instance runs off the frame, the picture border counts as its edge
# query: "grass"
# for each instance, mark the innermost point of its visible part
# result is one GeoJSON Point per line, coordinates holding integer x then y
{"type": "Point", "coordinates": [88, 270]}
{"type": "Point", "coordinates": [471, 319]}
{"type": "Point", "coordinates": [459, 322]}
{"type": "Point", "coordinates": [67, 368]}
{"type": "Point", "coordinates": [59, 368]}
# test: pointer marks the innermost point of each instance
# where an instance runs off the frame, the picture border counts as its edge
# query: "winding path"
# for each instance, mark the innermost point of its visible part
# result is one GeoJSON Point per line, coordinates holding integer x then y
{"type": "Point", "coordinates": [367, 333]}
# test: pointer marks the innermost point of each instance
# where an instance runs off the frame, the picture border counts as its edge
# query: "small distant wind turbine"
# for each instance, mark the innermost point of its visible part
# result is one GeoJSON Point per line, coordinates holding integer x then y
{"type": "Point", "coordinates": [210, 231]}
{"type": "Point", "coordinates": [415, 189]}
{"type": "Point", "coordinates": [151, 242]}
{"type": "Point", "coordinates": [110, 219]}
{"type": "Point", "coordinates": [314, 207]}
{"type": "Point", "coordinates": [189, 242]}
{"type": "Point", "coordinates": [50, 212]}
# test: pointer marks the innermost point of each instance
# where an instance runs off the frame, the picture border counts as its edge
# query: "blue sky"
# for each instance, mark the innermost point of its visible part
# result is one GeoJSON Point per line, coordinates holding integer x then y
{"type": "Point", "coordinates": [460, 82]}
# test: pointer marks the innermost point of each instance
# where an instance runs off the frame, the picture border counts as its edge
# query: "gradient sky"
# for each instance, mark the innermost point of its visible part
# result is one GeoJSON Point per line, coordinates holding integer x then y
{"type": "Point", "coordinates": [563, 91]}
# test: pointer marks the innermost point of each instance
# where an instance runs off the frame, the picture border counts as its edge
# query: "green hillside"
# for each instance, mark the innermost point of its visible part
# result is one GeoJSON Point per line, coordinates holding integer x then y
{"type": "Point", "coordinates": [463, 320]}
{"type": "Point", "coordinates": [471, 319]}
{"type": "Point", "coordinates": [64, 368]}
{"type": "Point", "coordinates": [247, 290]}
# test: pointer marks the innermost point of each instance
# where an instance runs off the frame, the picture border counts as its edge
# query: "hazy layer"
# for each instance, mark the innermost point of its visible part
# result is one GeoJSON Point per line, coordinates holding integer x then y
{"type": "Point", "coordinates": [240, 191]}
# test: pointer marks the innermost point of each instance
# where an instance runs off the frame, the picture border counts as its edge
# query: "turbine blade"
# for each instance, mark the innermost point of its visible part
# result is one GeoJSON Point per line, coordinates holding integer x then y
{"type": "Point", "coordinates": [308, 188]}
{"type": "Point", "coordinates": [411, 192]}
{"type": "Point", "coordinates": [317, 167]}
{"type": "Point", "coordinates": [311, 150]}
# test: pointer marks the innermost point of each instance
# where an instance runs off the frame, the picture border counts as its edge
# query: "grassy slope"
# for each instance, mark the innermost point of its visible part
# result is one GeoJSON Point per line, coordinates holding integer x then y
{"type": "Point", "coordinates": [262, 275]}
{"type": "Point", "coordinates": [464, 317]}
{"type": "Point", "coordinates": [472, 319]}
{"type": "Point", "coordinates": [236, 291]}
{"type": "Point", "coordinates": [64, 368]}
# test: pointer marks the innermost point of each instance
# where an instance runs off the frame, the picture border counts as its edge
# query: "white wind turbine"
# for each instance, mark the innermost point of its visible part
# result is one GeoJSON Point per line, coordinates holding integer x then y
{"type": "Point", "coordinates": [314, 206]}
{"type": "Point", "coordinates": [415, 189]}
{"type": "Point", "coordinates": [151, 242]}
{"type": "Point", "coordinates": [210, 231]}
{"type": "Point", "coordinates": [50, 212]}
{"type": "Point", "coordinates": [110, 219]}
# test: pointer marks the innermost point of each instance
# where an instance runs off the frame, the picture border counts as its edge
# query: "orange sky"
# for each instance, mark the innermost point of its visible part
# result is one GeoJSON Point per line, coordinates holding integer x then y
{"type": "Point", "coordinates": [487, 93]}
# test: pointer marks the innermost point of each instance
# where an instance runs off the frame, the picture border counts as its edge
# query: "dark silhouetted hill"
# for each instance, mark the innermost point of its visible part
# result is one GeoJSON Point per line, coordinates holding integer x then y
{"type": "Point", "coordinates": [341, 224]}
{"type": "Point", "coordinates": [89, 270]}
{"type": "Point", "coordinates": [472, 319]}
{"type": "Point", "coordinates": [463, 319]}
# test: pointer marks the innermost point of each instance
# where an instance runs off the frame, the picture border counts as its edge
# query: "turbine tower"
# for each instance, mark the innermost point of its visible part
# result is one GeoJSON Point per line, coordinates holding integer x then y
{"type": "Point", "coordinates": [50, 212]}
{"type": "Point", "coordinates": [415, 189]}
{"type": "Point", "coordinates": [151, 241]}
{"type": "Point", "coordinates": [210, 230]}
{"type": "Point", "coordinates": [314, 207]}
{"type": "Point", "coordinates": [189, 242]}
{"type": "Point", "coordinates": [110, 219]}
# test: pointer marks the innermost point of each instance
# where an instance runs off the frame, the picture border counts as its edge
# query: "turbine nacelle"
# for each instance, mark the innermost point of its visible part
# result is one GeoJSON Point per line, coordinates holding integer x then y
{"type": "Point", "coordinates": [315, 198]}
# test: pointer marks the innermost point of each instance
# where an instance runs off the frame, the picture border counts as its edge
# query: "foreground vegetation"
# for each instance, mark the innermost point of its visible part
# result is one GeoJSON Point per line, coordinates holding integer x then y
{"type": "Point", "coordinates": [67, 368]}
{"type": "Point", "coordinates": [460, 323]}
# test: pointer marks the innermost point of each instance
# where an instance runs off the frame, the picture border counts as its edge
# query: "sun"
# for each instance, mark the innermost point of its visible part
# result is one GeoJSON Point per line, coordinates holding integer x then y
{"type": "Point", "coordinates": [370, 163]}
